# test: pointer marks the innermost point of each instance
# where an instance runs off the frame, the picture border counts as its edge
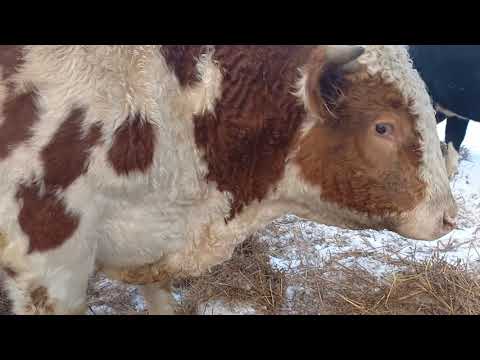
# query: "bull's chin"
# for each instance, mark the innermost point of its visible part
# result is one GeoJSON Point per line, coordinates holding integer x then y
{"type": "Point", "coordinates": [417, 233]}
{"type": "Point", "coordinates": [412, 226]}
{"type": "Point", "coordinates": [415, 230]}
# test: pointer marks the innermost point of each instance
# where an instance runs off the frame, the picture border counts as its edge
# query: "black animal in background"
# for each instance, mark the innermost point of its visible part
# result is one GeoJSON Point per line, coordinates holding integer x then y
{"type": "Point", "coordinates": [452, 75]}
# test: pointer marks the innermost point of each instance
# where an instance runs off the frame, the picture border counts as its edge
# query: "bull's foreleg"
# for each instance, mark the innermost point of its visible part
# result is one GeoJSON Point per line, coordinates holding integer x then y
{"type": "Point", "coordinates": [159, 299]}
{"type": "Point", "coordinates": [35, 294]}
{"type": "Point", "coordinates": [52, 282]}
{"type": "Point", "coordinates": [154, 281]}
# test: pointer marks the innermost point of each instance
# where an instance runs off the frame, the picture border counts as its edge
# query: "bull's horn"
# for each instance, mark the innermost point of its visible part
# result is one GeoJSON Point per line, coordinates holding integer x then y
{"type": "Point", "coordinates": [351, 67]}
{"type": "Point", "coordinates": [343, 54]}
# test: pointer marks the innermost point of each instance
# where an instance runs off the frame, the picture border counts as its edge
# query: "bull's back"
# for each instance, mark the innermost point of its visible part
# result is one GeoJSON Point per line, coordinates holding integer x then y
{"type": "Point", "coordinates": [452, 74]}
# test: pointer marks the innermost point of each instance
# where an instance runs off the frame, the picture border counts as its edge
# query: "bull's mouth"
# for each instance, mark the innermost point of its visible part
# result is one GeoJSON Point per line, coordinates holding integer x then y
{"type": "Point", "coordinates": [432, 231]}
{"type": "Point", "coordinates": [439, 230]}
{"type": "Point", "coordinates": [413, 225]}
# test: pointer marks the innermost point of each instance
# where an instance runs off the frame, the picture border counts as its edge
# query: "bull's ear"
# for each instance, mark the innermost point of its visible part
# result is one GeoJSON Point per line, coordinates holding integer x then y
{"type": "Point", "coordinates": [325, 77]}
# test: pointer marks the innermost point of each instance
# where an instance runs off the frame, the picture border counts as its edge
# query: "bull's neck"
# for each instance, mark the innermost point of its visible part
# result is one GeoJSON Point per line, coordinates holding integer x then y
{"type": "Point", "coordinates": [293, 195]}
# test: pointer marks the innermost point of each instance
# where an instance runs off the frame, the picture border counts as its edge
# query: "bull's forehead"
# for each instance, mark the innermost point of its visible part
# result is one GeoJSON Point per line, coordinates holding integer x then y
{"type": "Point", "coordinates": [394, 65]}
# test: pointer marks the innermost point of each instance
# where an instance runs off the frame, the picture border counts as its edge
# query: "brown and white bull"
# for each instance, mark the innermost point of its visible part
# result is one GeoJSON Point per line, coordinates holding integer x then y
{"type": "Point", "coordinates": [152, 162]}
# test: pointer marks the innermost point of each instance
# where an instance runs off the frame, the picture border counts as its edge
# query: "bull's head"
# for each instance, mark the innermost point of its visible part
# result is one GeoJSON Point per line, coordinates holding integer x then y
{"type": "Point", "coordinates": [371, 149]}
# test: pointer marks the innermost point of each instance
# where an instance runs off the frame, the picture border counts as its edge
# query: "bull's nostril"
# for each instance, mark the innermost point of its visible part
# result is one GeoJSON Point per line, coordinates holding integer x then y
{"type": "Point", "coordinates": [449, 222]}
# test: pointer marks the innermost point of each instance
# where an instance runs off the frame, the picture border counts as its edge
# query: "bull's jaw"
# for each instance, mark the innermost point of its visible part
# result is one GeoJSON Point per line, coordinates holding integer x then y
{"type": "Point", "coordinates": [424, 222]}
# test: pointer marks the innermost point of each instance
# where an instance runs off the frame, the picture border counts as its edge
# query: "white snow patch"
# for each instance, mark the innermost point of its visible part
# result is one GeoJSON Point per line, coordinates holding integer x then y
{"type": "Point", "coordinates": [218, 307]}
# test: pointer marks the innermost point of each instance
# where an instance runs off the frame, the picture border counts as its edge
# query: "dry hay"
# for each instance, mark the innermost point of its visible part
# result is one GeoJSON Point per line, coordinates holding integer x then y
{"type": "Point", "coordinates": [110, 297]}
{"type": "Point", "coordinates": [4, 302]}
{"type": "Point", "coordinates": [247, 278]}
{"type": "Point", "coordinates": [422, 287]}
{"type": "Point", "coordinates": [415, 287]}
{"type": "Point", "coordinates": [412, 285]}
{"type": "Point", "coordinates": [465, 154]}
{"type": "Point", "coordinates": [419, 287]}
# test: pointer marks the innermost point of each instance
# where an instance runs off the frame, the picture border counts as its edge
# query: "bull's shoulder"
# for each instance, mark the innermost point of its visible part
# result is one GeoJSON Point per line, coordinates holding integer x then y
{"type": "Point", "coordinates": [248, 135]}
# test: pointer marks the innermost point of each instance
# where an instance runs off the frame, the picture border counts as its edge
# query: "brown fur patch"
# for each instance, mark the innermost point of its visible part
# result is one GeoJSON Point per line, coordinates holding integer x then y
{"type": "Point", "coordinates": [248, 136]}
{"type": "Point", "coordinates": [40, 302]}
{"type": "Point", "coordinates": [182, 59]}
{"type": "Point", "coordinates": [356, 169]}
{"type": "Point", "coordinates": [133, 146]}
{"type": "Point", "coordinates": [10, 272]}
{"type": "Point", "coordinates": [11, 57]}
{"type": "Point", "coordinates": [20, 114]}
{"type": "Point", "coordinates": [43, 217]}
{"type": "Point", "coordinates": [66, 156]}
{"type": "Point", "coordinates": [3, 240]}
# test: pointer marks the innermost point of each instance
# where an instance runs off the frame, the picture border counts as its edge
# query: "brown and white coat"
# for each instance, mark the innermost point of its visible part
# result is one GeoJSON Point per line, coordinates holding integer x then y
{"type": "Point", "coordinates": [149, 162]}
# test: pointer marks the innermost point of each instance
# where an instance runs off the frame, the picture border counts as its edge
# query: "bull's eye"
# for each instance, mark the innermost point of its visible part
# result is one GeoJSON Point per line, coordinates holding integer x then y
{"type": "Point", "coordinates": [384, 129]}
